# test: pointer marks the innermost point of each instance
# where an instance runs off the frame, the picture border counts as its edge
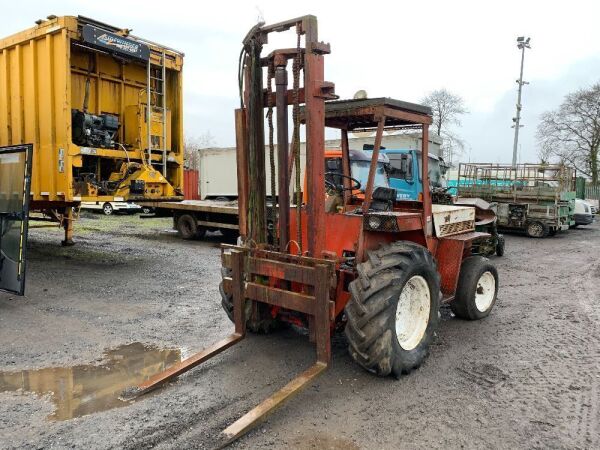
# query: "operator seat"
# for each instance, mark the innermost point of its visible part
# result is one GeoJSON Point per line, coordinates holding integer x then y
{"type": "Point", "coordinates": [383, 199]}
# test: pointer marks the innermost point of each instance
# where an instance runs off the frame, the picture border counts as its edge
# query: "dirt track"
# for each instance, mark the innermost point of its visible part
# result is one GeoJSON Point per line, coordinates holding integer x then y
{"type": "Point", "coordinates": [527, 376]}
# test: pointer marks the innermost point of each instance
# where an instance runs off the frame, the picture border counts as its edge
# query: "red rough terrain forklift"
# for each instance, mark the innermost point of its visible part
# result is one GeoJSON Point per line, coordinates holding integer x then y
{"type": "Point", "coordinates": [370, 265]}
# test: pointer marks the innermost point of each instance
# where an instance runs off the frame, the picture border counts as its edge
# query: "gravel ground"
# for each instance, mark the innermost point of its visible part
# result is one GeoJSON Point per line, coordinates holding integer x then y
{"type": "Point", "coordinates": [527, 376]}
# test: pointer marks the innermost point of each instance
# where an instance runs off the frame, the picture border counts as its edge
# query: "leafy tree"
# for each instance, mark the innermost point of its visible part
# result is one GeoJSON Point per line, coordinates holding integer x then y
{"type": "Point", "coordinates": [191, 145]}
{"type": "Point", "coordinates": [571, 133]}
{"type": "Point", "coordinates": [447, 109]}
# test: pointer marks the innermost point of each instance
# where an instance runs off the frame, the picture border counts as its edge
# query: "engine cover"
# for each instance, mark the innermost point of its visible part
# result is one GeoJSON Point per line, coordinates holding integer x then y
{"type": "Point", "coordinates": [449, 219]}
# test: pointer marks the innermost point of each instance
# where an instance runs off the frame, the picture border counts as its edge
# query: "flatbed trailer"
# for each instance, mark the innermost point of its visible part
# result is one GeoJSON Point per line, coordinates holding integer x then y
{"type": "Point", "coordinates": [193, 218]}
{"type": "Point", "coordinates": [538, 199]}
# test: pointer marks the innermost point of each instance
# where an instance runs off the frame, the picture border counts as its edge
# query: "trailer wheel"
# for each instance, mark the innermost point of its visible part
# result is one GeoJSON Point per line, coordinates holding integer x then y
{"type": "Point", "coordinates": [537, 229]}
{"type": "Point", "coordinates": [500, 245]}
{"type": "Point", "coordinates": [392, 314]}
{"type": "Point", "coordinates": [477, 289]}
{"type": "Point", "coordinates": [264, 323]}
{"type": "Point", "coordinates": [187, 228]}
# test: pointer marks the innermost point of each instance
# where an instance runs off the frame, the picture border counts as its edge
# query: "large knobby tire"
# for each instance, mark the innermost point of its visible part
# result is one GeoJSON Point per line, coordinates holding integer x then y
{"type": "Point", "coordinates": [477, 289]}
{"type": "Point", "coordinates": [392, 314]}
{"type": "Point", "coordinates": [536, 229]}
{"type": "Point", "coordinates": [264, 323]}
{"type": "Point", "coordinates": [187, 227]}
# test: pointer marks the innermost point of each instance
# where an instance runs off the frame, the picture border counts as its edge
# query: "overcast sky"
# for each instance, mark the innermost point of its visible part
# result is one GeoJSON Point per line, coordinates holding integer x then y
{"type": "Point", "coordinates": [396, 49]}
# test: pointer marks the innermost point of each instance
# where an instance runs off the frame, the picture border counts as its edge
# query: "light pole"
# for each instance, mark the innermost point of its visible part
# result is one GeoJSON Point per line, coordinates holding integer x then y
{"type": "Point", "coordinates": [522, 44]}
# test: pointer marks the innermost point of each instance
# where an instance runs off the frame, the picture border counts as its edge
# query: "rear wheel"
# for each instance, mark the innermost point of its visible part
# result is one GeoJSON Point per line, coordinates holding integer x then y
{"type": "Point", "coordinates": [392, 314]}
{"type": "Point", "coordinates": [477, 289]}
{"type": "Point", "coordinates": [187, 228]}
{"type": "Point", "coordinates": [259, 322]}
{"type": "Point", "coordinates": [537, 229]}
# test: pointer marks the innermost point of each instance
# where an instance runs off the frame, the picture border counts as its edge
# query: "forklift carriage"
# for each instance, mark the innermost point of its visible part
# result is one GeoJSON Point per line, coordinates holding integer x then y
{"type": "Point", "coordinates": [375, 266]}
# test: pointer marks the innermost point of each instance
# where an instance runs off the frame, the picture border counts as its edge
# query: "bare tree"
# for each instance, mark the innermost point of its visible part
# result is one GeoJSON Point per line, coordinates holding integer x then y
{"type": "Point", "coordinates": [191, 145]}
{"type": "Point", "coordinates": [571, 133]}
{"type": "Point", "coordinates": [447, 109]}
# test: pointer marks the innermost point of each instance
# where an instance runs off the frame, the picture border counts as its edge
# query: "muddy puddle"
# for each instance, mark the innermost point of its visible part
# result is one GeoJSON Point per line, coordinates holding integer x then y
{"type": "Point", "coordinates": [85, 389]}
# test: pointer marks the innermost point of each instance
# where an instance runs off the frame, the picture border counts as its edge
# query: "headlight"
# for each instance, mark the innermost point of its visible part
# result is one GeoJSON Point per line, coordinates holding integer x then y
{"type": "Point", "coordinates": [374, 222]}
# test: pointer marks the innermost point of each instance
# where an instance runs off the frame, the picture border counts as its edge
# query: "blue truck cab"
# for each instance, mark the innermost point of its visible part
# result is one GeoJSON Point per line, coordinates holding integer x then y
{"type": "Point", "coordinates": [405, 173]}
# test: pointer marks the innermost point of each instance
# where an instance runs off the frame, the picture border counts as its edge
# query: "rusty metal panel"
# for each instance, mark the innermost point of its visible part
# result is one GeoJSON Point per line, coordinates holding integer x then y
{"type": "Point", "coordinates": [374, 159]}
{"type": "Point", "coordinates": [315, 152]}
{"type": "Point", "coordinates": [282, 271]}
{"type": "Point", "coordinates": [241, 151]}
{"type": "Point", "coordinates": [191, 188]}
{"type": "Point", "coordinates": [237, 289]}
{"type": "Point", "coordinates": [449, 256]}
{"type": "Point", "coordinates": [281, 297]}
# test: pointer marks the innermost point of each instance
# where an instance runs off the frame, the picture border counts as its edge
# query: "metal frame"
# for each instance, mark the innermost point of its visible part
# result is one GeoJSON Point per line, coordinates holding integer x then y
{"type": "Point", "coordinates": [381, 114]}
{"type": "Point", "coordinates": [23, 217]}
{"type": "Point", "coordinates": [516, 183]}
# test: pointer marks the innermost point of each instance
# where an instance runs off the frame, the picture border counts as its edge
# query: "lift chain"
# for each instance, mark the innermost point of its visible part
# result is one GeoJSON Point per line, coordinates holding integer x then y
{"type": "Point", "coordinates": [270, 76]}
{"type": "Point", "coordinates": [296, 136]}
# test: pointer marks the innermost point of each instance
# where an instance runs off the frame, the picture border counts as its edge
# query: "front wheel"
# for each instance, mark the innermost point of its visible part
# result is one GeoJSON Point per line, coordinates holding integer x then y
{"type": "Point", "coordinates": [477, 289]}
{"type": "Point", "coordinates": [392, 314]}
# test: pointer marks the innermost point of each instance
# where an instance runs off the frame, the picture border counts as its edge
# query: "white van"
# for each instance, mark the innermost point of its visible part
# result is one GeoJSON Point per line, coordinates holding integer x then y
{"type": "Point", "coordinates": [583, 212]}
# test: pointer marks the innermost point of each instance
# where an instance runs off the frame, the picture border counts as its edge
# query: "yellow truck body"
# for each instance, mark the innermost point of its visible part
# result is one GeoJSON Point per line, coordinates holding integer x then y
{"type": "Point", "coordinates": [70, 68]}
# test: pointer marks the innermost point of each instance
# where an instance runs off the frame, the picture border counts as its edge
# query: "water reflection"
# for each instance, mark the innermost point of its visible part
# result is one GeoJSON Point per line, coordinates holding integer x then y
{"type": "Point", "coordinates": [85, 389]}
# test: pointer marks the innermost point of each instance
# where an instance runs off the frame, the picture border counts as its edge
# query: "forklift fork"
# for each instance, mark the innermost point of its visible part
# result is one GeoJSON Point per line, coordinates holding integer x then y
{"type": "Point", "coordinates": [273, 266]}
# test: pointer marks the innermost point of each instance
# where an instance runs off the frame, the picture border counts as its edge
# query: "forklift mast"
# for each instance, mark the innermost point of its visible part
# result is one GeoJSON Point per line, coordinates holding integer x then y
{"type": "Point", "coordinates": [250, 140]}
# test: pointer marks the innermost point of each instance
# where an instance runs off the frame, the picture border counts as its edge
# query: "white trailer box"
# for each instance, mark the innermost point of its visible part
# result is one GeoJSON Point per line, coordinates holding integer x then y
{"type": "Point", "coordinates": [218, 172]}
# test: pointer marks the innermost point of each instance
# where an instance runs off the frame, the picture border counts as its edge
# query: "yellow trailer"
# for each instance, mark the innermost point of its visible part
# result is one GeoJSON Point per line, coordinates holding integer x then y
{"type": "Point", "coordinates": [79, 90]}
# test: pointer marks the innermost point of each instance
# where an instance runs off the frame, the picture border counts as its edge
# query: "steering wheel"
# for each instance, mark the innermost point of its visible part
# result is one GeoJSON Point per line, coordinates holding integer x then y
{"type": "Point", "coordinates": [341, 188]}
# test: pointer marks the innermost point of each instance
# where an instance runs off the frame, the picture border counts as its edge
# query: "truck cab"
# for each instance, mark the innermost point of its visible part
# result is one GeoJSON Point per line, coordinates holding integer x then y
{"type": "Point", "coordinates": [360, 162]}
{"type": "Point", "coordinates": [405, 174]}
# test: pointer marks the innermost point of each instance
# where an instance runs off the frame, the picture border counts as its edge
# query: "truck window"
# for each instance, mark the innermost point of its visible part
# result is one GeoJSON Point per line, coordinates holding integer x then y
{"type": "Point", "coordinates": [397, 170]}
{"type": "Point", "coordinates": [360, 171]}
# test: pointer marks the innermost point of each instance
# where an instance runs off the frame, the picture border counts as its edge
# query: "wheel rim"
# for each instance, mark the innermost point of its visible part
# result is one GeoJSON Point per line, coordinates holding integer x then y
{"type": "Point", "coordinates": [412, 312]}
{"type": "Point", "coordinates": [485, 291]}
{"type": "Point", "coordinates": [535, 229]}
{"type": "Point", "coordinates": [107, 210]}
